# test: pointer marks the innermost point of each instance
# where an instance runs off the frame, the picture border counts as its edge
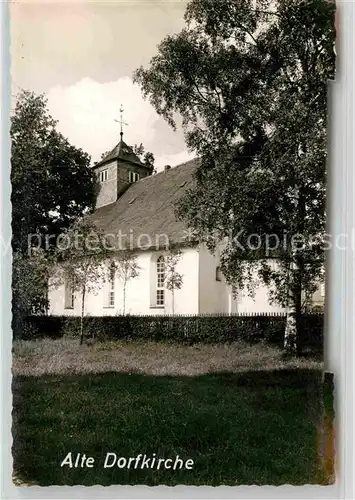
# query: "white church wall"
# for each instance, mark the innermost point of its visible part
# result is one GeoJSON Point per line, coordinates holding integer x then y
{"type": "Point", "coordinates": [141, 291]}
{"type": "Point", "coordinates": [138, 292]}
{"type": "Point", "coordinates": [201, 293]}
{"type": "Point", "coordinates": [56, 297]}
{"type": "Point", "coordinates": [260, 301]}
{"type": "Point", "coordinates": [214, 295]}
{"type": "Point", "coordinates": [96, 303]}
{"type": "Point", "coordinates": [319, 296]}
{"type": "Point", "coordinates": [186, 299]}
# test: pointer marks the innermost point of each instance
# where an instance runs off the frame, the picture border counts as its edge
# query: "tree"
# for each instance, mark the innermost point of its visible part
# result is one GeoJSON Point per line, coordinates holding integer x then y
{"type": "Point", "coordinates": [146, 158]}
{"type": "Point", "coordinates": [250, 82]}
{"type": "Point", "coordinates": [29, 285]}
{"type": "Point", "coordinates": [103, 155]}
{"type": "Point", "coordinates": [52, 182]}
{"type": "Point", "coordinates": [81, 257]}
{"type": "Point", "coordinates": [173, 279]}
{"type": "Point", "coordinates": [52, 185]}
{"type": "Point", "coordinates": [126, 268]}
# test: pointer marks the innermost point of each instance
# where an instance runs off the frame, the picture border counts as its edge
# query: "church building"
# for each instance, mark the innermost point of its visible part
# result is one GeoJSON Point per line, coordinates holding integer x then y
{"type": "Point", "coordinates": [136, 207]}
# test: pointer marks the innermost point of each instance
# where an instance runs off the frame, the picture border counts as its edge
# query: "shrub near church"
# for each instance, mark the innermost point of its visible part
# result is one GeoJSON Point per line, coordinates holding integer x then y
{"type": "Point", "coordinates": [207, 329]}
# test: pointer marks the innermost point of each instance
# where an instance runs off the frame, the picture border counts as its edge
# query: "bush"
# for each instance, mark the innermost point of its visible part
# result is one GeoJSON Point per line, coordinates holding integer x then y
{"type": "Point", "coordinates": [209, 329]}
{"type": "Point", "coordinates": [311, 332]}
{"type": "Point", "coordinates": [42, 326]}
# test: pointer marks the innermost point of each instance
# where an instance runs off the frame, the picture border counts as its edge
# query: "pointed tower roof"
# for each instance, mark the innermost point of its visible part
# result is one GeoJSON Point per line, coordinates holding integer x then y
{"type": "Point", "coordinates": [121, 152]}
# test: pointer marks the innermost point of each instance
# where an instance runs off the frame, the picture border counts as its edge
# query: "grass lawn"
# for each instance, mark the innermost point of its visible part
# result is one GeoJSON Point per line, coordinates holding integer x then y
{"type": "Point", "coordinates": [258, 423]}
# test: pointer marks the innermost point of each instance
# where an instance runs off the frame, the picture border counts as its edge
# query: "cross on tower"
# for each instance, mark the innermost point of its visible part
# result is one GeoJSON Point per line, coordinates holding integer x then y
{"type": "Point", "coordinates": [121, 122]}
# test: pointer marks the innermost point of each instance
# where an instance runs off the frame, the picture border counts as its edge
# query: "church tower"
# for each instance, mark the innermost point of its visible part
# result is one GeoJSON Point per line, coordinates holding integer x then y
{"type": "Point", "coordinates": [118, 169]}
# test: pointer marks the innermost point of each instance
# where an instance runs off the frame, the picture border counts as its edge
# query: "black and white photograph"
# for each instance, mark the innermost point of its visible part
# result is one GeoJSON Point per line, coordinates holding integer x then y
{"type": "Point", "coordinates": [169, 196]}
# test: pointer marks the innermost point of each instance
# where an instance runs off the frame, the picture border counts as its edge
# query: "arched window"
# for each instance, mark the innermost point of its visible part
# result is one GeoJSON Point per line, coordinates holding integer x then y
{"type": "Point", "coordinates": [111, 285]}
{"type": "Point", "coordinates": [160, 297]}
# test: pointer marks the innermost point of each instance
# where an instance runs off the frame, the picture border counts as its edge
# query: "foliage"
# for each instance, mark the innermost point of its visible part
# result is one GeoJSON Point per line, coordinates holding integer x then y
{"type": "Point", "coordinates": [138, 149]}
{"type": "Point", "coordinates": [30, 276]}
{"type": "Point", "coordinates": [147, 158]}
{"type": "Point", "coordinates": [207, 329]}
{"type": "Point", "coordinates": [173, 279]}
{"type": "Point", "coordinates": [250, 82]}
{"type": "Point", "coordinates": [52, 183]}
{"type": "Point", "coordinates": [28, 273]}
{"type": "Point", "coordinates": [126, 269]}
{"type": "Point", "coordinates": [80, 257]}
{"type": "Point", "coordinates": [104, 154]}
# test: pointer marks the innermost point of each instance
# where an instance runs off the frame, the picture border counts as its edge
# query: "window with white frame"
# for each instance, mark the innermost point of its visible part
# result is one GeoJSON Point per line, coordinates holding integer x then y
{"type": "Point", "coordinates": [103, 175]}
{"type": "Point", "coordinates": [160, 290]}
{"type": "Point", "coordinates": [69, 294]}
{"type": "Point", "coordinates": [133, 177]}
{"type": "Point", "coordinates": [111, 287]}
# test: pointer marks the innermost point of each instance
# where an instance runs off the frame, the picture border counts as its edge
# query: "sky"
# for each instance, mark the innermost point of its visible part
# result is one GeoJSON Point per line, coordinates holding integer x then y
{"type": "Point", "coordinates": [82, 55]}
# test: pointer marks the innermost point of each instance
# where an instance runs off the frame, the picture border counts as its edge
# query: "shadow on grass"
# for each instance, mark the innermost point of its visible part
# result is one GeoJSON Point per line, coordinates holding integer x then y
{"type": "Point", "coordinates": [248, 428]}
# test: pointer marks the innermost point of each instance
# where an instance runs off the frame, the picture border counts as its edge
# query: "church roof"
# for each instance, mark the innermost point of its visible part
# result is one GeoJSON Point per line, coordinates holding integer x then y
{"type": "Point", "coordinates": [147, 208]}
{"type": "Point", "coordinates": [120, 152]}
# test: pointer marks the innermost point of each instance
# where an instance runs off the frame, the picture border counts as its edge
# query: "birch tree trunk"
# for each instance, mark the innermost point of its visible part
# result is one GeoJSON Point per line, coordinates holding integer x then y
{"type": "Point", "coordinates": [124, 297]}
{"type": "Point", "coordinates": [292, 334]}
{"type": "Point", "coordinates": [290, 342]}
{"type": "Point", "coordinates": [82, 316]}
{"type": "Point", "coordinates": [294, 303]}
